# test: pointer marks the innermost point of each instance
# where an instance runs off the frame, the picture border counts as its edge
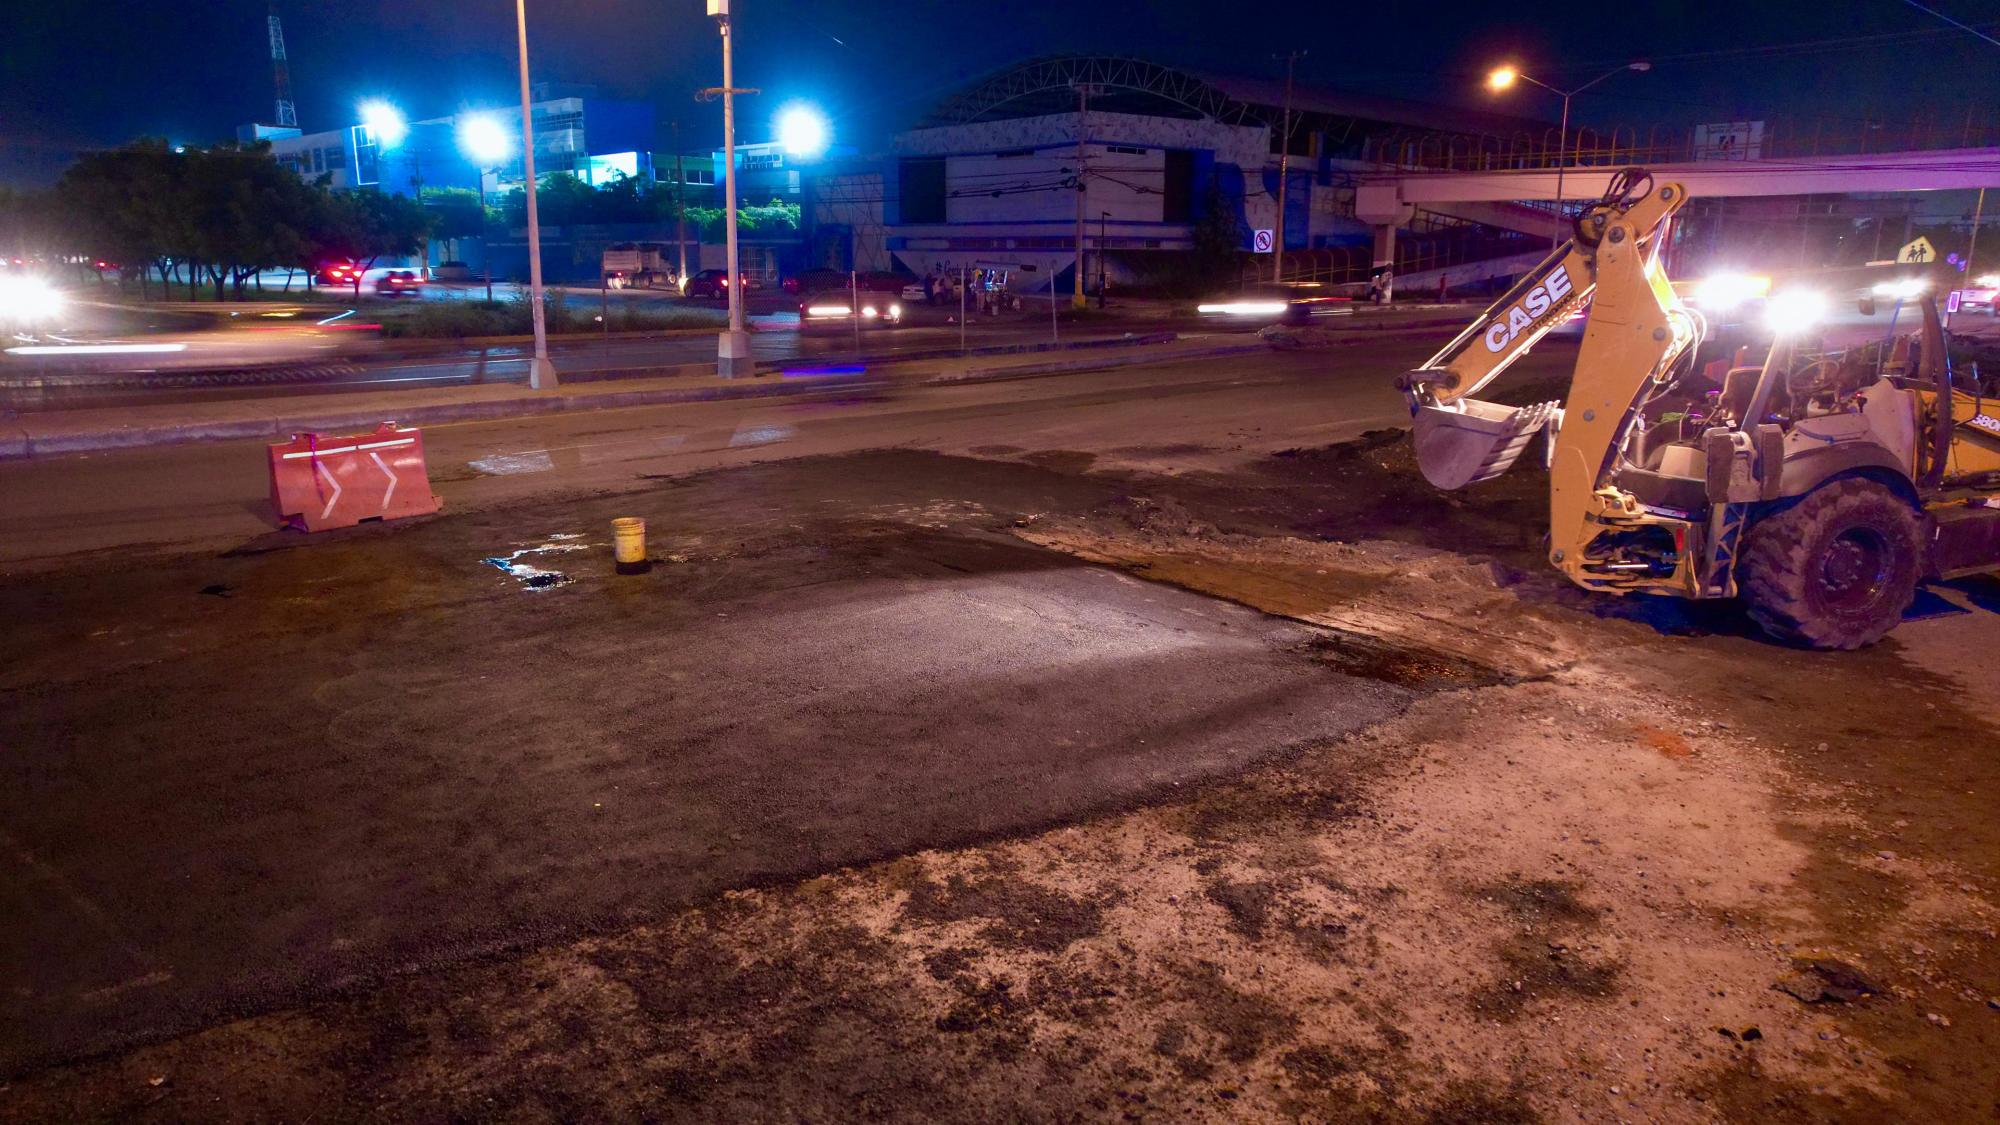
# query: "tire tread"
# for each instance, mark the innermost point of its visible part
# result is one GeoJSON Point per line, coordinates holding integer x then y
{"type": "Point", "coordinates": [1776, 557]}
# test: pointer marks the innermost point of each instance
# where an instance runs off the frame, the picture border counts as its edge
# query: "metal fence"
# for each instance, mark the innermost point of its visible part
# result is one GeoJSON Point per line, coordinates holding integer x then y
{"type": "Point", "coordinates": [1458, 244]}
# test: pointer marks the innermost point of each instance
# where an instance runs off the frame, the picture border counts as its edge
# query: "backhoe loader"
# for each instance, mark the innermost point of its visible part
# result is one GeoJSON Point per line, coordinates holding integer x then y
{"type": "Point", "coordinates": [1821, 485]}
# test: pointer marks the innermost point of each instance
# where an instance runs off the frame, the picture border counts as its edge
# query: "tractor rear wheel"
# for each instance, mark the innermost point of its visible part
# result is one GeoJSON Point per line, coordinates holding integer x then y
{"type": "Point", "coordinates": [1835, 570]}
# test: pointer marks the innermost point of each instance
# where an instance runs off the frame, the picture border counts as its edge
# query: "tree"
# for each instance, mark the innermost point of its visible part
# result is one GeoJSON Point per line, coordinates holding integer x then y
{"type": "Point", "coordinates": [364, 225]}
{"type": "Point", "coordinates": [125, 205]}
{"type": "Point", "coordinates": [560, 200]}
{"type": "Point", "coordinates": [455, 213]}
{"type": "Point", "coordinates": [1217, 236]}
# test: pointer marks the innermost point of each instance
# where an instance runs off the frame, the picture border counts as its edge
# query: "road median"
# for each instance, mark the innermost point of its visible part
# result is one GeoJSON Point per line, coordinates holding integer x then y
{"type": "Point", "coordinates": [55, 433]}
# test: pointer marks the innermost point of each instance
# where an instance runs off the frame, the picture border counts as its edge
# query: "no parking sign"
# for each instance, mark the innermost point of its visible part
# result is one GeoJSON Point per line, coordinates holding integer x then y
{"type": "Point", "coordinates": [1261, 241]}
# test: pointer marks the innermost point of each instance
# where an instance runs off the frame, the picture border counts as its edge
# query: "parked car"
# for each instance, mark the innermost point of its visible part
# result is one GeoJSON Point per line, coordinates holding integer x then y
{"type": "Point", "coordinates": [715, 284]}
{"type": "Point", "coordinates": [452, 271]}
{"type": "Point", "coordinates": [399, 283]}
{"type": "Point", "coordinates": [812, 281]}
{"type": "Point", "coordinates": [1983, 295]}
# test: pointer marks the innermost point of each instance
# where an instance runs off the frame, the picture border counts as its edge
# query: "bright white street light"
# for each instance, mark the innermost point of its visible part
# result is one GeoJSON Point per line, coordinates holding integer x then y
{"type": "Point", "coordinates": [385, 123]}
{"type": "Point", "coordinates": [802, 130]}
{"type": "Point", "coordinates": [1795, 310]}
{"type": "Point", "coordinates": [483, 139]}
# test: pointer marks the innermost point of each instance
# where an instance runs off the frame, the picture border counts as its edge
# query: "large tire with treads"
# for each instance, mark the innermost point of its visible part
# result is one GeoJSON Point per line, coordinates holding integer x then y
{"type": "Point", "coordinates": [1835, 570]}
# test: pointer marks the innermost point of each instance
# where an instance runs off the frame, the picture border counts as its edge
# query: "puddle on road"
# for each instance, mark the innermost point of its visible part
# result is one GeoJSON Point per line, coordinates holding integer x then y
{"type": "Point", "coordinates": [759, 435]}
{"type": "Point", "coordinates": [1356, 654]}
{"type": "Point", "coordinates": [534, 577]}
{"type": "Point", "coordinates": [514, 464]}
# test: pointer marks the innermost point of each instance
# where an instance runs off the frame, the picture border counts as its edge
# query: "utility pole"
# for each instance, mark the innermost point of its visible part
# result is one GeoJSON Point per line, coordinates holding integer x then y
{"type": "Point", "coordinates": [1284, 170]}
{"type": "Point", "coordinates": [541, 372]}
{"type": "Point", "coordinates": [1978, 213]}
{"type": "Point", "coordinates": [1082, 129]}
{"type": "Point", "coordinates": [732, 348]}
{"type": "Point", "coordinates": [680, 207]}
{"type": "Point", "coordinates": [1102, 218]}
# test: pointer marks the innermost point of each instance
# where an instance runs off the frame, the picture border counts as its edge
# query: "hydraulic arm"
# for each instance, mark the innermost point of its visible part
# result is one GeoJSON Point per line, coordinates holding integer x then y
{"type": "Point", "coordinates": [1636, 332]}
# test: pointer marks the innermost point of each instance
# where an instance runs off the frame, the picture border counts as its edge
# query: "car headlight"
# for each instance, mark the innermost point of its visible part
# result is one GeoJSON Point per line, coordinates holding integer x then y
{"type": "Point", "coordinates": [1725, 291]}
{"type": "Point", "coordinates": [29, 299]}
{"type": "Point", "coordinates": [1902, 289]}
{"type": "Point", "coordinates": [1795, 310]}
{"type": "Point", "coordinates": [1244, 308]}
{"type": "Point", "coordinates": [868, 310]}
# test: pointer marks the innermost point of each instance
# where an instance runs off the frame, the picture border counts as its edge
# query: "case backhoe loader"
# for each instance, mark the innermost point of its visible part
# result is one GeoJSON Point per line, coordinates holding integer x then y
{"type": "Point", "coordinates": [1821, 485]}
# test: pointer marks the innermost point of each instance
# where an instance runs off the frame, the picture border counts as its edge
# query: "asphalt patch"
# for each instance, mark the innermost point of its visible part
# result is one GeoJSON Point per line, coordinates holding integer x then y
{"type": "Point", "coordinates": [375, 760]}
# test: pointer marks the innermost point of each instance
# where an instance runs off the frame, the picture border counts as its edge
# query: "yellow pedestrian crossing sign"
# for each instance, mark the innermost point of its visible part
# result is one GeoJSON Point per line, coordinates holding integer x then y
{"type": "Point", "coordinates": [1919, 251]}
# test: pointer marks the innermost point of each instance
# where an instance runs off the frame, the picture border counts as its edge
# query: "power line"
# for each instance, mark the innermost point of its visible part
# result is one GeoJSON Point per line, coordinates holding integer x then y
{"type": "Point", "coordinates": [1968, 28]}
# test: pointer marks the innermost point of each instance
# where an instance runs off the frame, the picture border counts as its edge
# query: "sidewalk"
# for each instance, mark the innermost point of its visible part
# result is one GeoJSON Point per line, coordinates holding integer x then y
{"type": "Point", "coordinates": [78, 431]}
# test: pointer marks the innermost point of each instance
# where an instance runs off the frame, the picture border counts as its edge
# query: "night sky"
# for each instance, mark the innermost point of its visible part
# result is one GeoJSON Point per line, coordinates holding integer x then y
{"type": "Point", "coordinates": [77, 74]}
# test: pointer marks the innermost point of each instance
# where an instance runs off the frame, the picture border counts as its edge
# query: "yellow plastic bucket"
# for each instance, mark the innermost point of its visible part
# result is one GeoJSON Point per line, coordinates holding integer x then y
{"type": "Point", "coordinates": [628, 545]}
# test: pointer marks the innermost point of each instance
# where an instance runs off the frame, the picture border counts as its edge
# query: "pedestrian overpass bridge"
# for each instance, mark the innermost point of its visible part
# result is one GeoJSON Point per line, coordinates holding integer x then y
{"type": "Point", "coordinates": [1387, 195]}
{"type": "Point", "coordinates": [1928, 170]}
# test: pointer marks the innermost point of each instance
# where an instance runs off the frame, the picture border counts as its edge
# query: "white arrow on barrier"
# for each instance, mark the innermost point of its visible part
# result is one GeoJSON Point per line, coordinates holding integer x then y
{"type": "Point", "coordinates": [387, 472]}
{"type": "Point", "coordinates": [321, 469]}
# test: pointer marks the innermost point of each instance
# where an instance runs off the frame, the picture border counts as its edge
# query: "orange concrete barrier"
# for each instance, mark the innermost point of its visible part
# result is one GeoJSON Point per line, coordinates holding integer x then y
{"type": "Point", "coordinates": [320, 482]}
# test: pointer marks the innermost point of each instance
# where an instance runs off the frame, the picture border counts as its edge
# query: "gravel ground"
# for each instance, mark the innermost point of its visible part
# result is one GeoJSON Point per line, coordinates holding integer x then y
{"type": "Point", "coordinates": [1609, 861]}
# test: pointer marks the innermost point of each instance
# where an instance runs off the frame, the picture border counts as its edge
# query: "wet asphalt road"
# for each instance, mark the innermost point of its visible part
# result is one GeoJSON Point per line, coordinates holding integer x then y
{"type": "Point", "coordinates": [238, 781]}
{"type": "Point", "coordinates": [225, 365]}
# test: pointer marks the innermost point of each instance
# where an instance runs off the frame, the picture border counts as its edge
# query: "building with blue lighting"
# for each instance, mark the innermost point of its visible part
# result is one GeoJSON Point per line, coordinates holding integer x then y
{"type": "Point", "coordinates": [597, 140]}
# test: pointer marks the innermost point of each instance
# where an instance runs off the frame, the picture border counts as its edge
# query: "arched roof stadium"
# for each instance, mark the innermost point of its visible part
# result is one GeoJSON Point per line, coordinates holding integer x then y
{"type": "Point", "coordinates": [1118, 84]}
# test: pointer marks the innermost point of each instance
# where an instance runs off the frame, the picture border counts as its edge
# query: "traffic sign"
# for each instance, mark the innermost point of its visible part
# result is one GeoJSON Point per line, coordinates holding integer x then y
{"type": "Point", "coordinates": [1917, 252]}
{"type": "Point", "coordinates": [1261, 241]}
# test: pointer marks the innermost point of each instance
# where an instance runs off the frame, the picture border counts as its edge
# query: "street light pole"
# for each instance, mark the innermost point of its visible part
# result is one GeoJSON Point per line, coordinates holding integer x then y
{"type": "Point", "coordinates": [732, 347]}
{"type": "Point", "coordinates": [1284, 170]}
{"type": "Point", "coordinates": [541, 372]}
{"type": "Point", "coordinates": [680, 208]}
{"type": "Point", "coordinates": [1562, 164]}
{"type": "Point", "coordinates": [485, 238]}
{"type": "Point", "coordinates": [1082, 119]}
{"type": "Point", "coordinates": [1505, 76]}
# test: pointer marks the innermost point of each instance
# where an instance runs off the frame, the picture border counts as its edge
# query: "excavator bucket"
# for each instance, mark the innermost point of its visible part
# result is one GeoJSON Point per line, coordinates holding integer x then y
{"type": "Point", "coordinates": [1471, 441]}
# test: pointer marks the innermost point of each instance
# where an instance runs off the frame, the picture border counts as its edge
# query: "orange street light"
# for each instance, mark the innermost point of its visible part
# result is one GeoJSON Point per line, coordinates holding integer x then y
{"type": "Point", "coordinates": [1503, 77]}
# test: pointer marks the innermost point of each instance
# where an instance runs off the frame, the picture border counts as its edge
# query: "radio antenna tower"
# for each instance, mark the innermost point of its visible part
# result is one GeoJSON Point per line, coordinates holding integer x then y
{"type": "Point", "coordinates": [281, 74]}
